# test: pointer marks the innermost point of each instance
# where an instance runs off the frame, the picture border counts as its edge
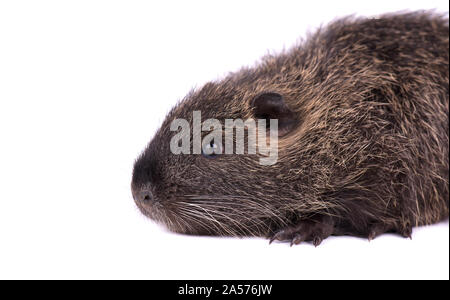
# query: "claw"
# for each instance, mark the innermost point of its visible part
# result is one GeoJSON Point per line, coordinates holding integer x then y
{"type": "Point", "coordinates": [272, 239]}
{"type": "Point", "coordinates": [277, 236]}
{"type": "Point", "coordinates": [407, 235]}
{"type": "Point", "coordinates": [377, 230]}
{"type": "Point", "coordinates": [407, 232]}
{"type": "Point", "coordinates": [317, 241]}
{"type": "Point", "coordinates": [372, 235]}
{"type": "Point", "coordinates": [297, 240]}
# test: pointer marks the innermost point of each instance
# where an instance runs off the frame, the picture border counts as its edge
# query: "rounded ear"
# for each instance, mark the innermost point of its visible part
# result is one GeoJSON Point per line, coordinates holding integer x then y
{"type": "Point", "coordinates": [272, 106]}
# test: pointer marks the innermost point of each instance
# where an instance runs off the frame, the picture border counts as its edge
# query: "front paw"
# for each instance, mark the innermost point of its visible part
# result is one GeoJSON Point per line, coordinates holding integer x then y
{"type": "Point", "coordinates": [377, 229]}
{"type": "Point", "coordinates": [311, 230]}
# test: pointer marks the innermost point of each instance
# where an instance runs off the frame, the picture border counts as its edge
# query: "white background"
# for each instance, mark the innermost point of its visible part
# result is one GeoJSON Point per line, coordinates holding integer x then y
{"type": "Point", "coordinates": [83, 87]}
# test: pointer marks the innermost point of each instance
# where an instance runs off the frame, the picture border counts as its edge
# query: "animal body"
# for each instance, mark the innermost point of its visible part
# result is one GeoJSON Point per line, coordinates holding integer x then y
{"type": "Point", "coordinates": [363, 113]}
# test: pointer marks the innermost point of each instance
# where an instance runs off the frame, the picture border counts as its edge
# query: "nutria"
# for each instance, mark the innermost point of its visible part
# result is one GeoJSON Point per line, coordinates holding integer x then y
{"type": "Point", "coordinates": [362, 107]}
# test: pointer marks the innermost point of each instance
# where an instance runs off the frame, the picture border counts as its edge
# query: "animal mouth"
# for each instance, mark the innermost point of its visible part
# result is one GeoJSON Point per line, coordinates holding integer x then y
{"type": "Point", "coordinates": [160, 211]}
{"type": "Point", "coordinates": [208, 215]}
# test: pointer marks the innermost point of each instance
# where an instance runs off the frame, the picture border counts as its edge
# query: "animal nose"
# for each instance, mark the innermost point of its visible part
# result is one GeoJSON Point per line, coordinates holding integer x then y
{"type": "Point", "coordinates": [142, 196]}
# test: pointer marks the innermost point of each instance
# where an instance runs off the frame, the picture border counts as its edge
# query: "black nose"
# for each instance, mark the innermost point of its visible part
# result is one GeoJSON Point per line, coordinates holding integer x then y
{"type": "Point", "coordinates": [142, 195]}
{"type": "Point", "coordinates": [145, 177]}
{"type": "Point", "coordinates": [145, 171]}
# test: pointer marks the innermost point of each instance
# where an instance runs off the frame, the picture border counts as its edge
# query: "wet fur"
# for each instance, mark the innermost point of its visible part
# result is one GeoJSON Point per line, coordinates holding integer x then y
{"type": "Point", "coordinates": [368, 155]}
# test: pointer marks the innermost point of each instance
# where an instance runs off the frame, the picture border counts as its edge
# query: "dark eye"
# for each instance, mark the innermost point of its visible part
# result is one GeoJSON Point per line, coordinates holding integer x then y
{"type": "Point", "coordinates": [211, 150]}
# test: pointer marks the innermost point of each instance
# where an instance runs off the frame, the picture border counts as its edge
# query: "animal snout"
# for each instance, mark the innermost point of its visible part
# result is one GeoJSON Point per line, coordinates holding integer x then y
{"type": "Point", "coordinates": [145, 176]}
{"type": "Point", "coordinates": [142, 195]}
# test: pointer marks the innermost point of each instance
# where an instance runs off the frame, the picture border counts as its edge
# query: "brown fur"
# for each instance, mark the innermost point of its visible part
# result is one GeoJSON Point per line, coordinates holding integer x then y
{"type": "Point", "coordinates": [369, 153]}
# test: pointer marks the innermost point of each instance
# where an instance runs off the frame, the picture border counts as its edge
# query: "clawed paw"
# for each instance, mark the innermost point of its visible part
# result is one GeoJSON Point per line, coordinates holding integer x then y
{"type": "Point", "coordinates": [320, 227]}
{"type": "Point", "coordinates": [314, 231]}
{"type": "Point", "coordinates": [378, 229]}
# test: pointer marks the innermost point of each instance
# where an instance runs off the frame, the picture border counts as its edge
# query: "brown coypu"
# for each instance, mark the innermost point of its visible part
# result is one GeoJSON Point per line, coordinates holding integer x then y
{"type": "Point", "coordinates": [363, 106]}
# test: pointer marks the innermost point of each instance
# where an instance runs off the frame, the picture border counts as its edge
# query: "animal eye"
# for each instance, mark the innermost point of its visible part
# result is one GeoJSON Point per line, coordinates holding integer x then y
{"type": "Point", "coordinates": [211, 150]}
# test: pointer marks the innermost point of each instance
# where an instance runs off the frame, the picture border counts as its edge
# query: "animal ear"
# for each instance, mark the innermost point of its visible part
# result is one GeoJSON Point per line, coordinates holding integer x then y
{"type": "Point", "coordinates": [272, 106]}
